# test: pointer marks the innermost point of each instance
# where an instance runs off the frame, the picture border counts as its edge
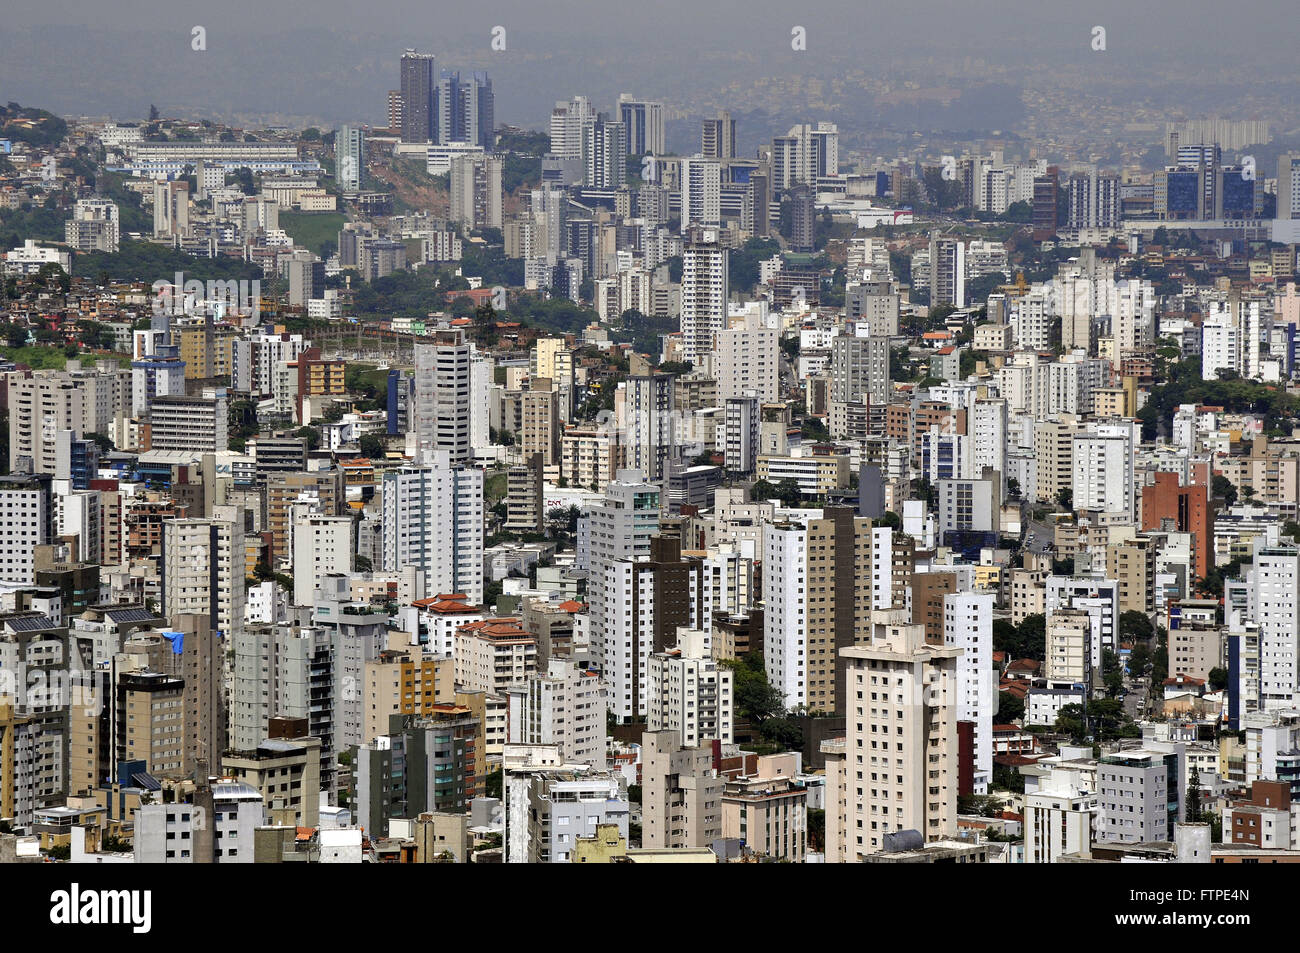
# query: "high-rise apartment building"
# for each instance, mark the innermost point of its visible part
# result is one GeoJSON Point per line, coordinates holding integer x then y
{"type": "Point", "coordinates": [896, 768]}
{"type": "Point", "coordinates": [704, 293]}
{"type": "Point", "coordinates": [648, 421]}
{"type": "Point", "coordinates": [604, 153]}
{"type": "Point", "coordinates": [441, 415]}
{"type": "Point", "coordinates": [350, 158]}
{"type": "Point", "coordinates": [680, 791]}
{"type": "Point", "coordinates": [947, 271]}
{"type": "Point", "coordinates": [433, 520]}
{"type": "Point", "coordinates": [475, 191]}
{"type": "Point", "coordinates": [718, 137]}
{"type": "Point", "coordinates": [968, 625]}
{"type": "Point", "coordinates": [821, 581]}
{"type": "Point", "coordinates": [701, 188]}
{"type": "Point", "coordinates": [203, 568]}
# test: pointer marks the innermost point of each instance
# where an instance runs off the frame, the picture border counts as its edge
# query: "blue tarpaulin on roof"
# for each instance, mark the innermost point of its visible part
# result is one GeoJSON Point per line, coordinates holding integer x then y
{"type": "Point", "coordinates": [177, 640]}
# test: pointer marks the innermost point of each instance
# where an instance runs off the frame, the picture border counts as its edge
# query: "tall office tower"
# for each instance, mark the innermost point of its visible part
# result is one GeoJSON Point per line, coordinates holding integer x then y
{"type": "Point", "coordinates": [803, 219]}
{"type": "Point", "coordinates": [433, 520]}
{"type": "Point", "coordinates": [643, 126]}
{"type": "Point", "coordinates": [350, 158]}
{"type": "Point", "coordinates": [1205, 158]}
{"type": "Point", "coordinates": [171, 209]}
{"type": "Point", "coordinates": [475, 191]}
{"type": "Point", "coordinates": [1230, 337]}
{"type": "Point", "coordinates": [805, 154]}
{"type": "Point", "coordinates": [419, 120]}
{"type": "Point", "coordinates": [203, 568]}
{"type": "Point", "coordinates": [466, 110]}
{"type": "Point", "coordinates": [1236, 196]}
{"type": "Point", "coordinates": [1288, 186]}
{"type": "Point", "coordinates": [821, 580]}
{"type": "Point", "coordinates": [604, 154]}
{"type": "Point", "coordinates": [449, 118]}
{"type": "Point", "coordinates": [745, 359]}
{"type": "Point", "coordinates": [681, 793]}
{"type": "Point", "coordinates": [1044, 204]}
{"type": "Point", "coordinates": [760, 199]}
{"type": "Point", "coordinates": [860, 369]}
{"type": "Point", "coordinates": [968, 625]}
{"type": "Point", "coordinates": [568, 120]}
{"type": "Point", "coordinates": [441, 413]}
{"type": "Point", "coordinates": [947, 271]}
{"type": "Point", "coordinates": [1275, 581]}
{"type": "Point", "coordinates": [704, 293]}
{"type": "Point", "coordinates": [987, 423]}
{"type": "Point", "coordinates": [1094, 200]}
{"type": "Point", "coordinates": [905, 739]}
{"type": "Point", "coordinates": [395, 112]}
{"type": "Point", "coordinates": [1179, 194]}
{"type": "Point", "coordinates": [718, 137]}
{"type": "Point", "coordinates": [480, 111]}
{"type": "Point", "coordinates": [701, 188]}
{"type": "Point", "coordinates": [873, 305]}
{"type": "Point", "coordinates": [647, 416]}
{"type": "Point", "coordinates": [1102, 466]}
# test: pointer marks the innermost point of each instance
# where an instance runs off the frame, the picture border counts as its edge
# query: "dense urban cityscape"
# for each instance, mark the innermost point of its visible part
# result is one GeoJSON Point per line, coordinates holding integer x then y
{"type": "Point", "coordinates": [647, 483]}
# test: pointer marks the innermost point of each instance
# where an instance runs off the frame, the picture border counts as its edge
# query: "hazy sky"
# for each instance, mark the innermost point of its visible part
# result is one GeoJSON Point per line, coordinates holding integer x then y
{"type": "Point", "coordinates": [335, 60]}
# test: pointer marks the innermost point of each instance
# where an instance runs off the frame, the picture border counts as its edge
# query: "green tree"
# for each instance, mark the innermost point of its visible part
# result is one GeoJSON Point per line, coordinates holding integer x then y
{"type": "Point", "coordinates": [1065, 498]}
{"type": "Point", "coordinates": [1032, 633]}
{"type": "Point", "coordinates": [1224, 489]}
{"type": "Point", "coordinates": [311, 435]}
{"type": "Point", "coordinates": [371, 446]}
{"type": "Point", "coordinates": [756, 699]}
{"type": "Point", "coordinates": [1111, 674]}
{"type": "Point", "coordinates": [1070, 721]}
{"type": "Point", "coordinates": [1010, 708]}
{"type": "Point", "coordinates": [1218, 679]}
{"type": "Point", "coordinates": [1139, 659]}
{"type": "Point", "coordinates": [1134, 626]}
{"type": "Point", "coordinates": [1193, 806]}
{"type": "Point", "coordinates": [493, 782]}
{"type": "Point", "coordinates": [788, 492]}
